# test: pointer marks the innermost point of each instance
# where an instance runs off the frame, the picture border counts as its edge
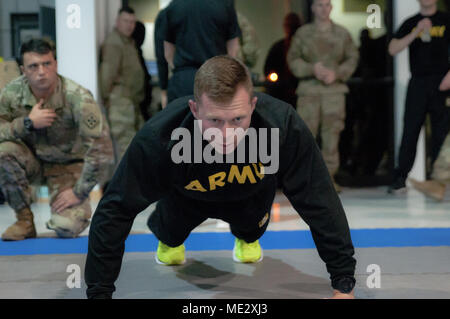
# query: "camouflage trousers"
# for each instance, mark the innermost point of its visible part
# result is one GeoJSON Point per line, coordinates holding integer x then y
{"type": "Point", "coordinates": [125, 120]}
{"type": "Point", "coordinates": [19, 168]}
{"type": "Point", "coordinates": [441, 167]}
{"type": "Point", "coordinates": [325, 115]}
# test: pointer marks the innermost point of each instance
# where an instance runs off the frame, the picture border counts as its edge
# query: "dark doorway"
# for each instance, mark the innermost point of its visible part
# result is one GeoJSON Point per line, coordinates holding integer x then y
{"type": "Point", "coordinates": [47, 23]}
{"type": "Point", "coordinates": [23, 28]}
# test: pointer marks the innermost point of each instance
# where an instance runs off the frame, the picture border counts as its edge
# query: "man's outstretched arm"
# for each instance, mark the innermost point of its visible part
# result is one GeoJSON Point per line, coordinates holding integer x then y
{"type": "Point", "coordinates": [308, 186]}
{"type": "Point", "coordinates": [137, 183]}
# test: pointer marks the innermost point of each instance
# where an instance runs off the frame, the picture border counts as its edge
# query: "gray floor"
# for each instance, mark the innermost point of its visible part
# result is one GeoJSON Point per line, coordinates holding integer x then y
{"type": "Point", "coordinates": [412, 272]}
{"type": "Point", "coordinates": [287, 274]}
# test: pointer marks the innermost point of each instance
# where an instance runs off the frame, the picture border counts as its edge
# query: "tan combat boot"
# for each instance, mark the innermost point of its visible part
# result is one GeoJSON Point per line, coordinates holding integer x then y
{"type": "Point", "coordinates": [433, 189]}
{"type": "Point", "coordinates": [23, 228]}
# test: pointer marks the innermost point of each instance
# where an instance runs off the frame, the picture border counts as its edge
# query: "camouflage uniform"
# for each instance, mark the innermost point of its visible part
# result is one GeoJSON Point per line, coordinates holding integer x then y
{"type": "Point", "coordinates": [318, 104]}
{"type": "Point", "coordinates": [441, 167]}
{"type": "Point", "coordinates": [122, 88]}
{"type": "Point", "coordinates": [9, 70]}
{"type": "Point", "coordinates": [69, 154]}
{"type": "Point", "coordinates": [249, 50]}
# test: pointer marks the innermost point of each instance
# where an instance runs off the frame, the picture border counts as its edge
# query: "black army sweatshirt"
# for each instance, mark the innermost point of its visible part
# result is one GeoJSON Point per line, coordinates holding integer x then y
{"type": "Point", "coordinates": [147, 173]}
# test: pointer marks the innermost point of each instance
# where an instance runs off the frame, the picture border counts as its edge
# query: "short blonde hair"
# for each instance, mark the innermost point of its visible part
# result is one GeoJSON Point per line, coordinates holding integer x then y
{"type": "Point", "coordinates": [220, 77]}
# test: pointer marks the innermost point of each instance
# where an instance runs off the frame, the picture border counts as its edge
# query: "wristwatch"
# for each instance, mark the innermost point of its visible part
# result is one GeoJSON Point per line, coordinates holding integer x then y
{"type": "Point", "coordinates": [28, 123]}
{"type": "Point", "coordinates": [344, 284]}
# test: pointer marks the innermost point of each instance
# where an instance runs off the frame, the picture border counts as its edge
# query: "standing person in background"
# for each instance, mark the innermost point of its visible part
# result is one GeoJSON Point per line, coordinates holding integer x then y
{"type": "Point", "coordinates": [122, 82]}
{"type": "Point", "coordinates": [323, 56]}
{"type": "Point", "coordinates": [427, 34]}
{"type": "Point", "coordinates": [276, 62]}
{"type": "Point", "coordinates": [163, 66]}
{"type": "Point", "coordinates": [196, 31]}
{"type": "Point", "coordinates": [139, 38]}
{"type": "Point", "coordinates": [249, 44]}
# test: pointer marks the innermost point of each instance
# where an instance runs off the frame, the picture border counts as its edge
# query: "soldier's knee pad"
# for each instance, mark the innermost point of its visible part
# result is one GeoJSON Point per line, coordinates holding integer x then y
{"type": "Point", "coordinates": [66, 227]}
{"type": "Point", "coordinates": [71, 222]}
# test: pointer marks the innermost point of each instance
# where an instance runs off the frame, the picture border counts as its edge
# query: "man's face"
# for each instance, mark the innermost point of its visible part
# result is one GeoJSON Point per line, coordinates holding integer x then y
{"type": "Point", "coordinates": [40, 70]}
{"type": "Point", "coordinates": [427, 3]}
{"type": "Point", "coordinates": [126, 23]}
{"type": "Point", "coordinates": [322, 9]}
{"type": "Point", "coordinates": [234, 115]}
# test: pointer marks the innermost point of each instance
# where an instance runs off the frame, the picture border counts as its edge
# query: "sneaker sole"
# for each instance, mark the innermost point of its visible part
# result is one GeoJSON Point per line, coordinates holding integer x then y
{"type": "Point", "coordinates": [248, 262]}
{"type": "Point", "coordinates": [159, 262]}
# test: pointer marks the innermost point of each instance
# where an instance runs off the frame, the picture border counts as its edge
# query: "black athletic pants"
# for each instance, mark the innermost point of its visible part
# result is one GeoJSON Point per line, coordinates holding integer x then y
{"type": "Point", "coordinates": [181, 83]}
{"type": "Point", "coordinates": [423, 97]}
{"type": "Point", "coordinates": [176, 216]}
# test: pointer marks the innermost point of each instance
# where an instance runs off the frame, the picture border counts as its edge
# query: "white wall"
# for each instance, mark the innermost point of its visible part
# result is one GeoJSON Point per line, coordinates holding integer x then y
{"type": "Point", "coordinates": [7, 7]}
{"type": "Point", "coordinates": [163, 4]}
{"type": "Point", "coordinates": [402, 10]}
{"type": "Point", "coordinates": [78, 47]}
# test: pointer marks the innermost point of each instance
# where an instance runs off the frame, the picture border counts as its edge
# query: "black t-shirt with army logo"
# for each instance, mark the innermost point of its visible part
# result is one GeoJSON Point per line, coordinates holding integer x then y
{"type": "Point", "coordinates": [428, 58]}
{"type": "Point", "coordinates": [227, 178]}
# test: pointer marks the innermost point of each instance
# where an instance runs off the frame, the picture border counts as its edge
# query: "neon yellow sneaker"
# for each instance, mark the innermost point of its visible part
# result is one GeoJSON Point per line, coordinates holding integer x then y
{"type": "Point", "coordinates": [247, 253]}
{"type": "Point", "coordinates": [169, 256]}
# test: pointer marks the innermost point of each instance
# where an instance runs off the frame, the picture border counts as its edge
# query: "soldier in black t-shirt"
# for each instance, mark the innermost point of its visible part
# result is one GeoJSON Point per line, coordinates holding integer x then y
{"type": "Point", "coordinates": [427, 35]}
{"type": "Point", "coordinates": [163, 67]}
{"type": "Point", "coordinates": [196, 31]}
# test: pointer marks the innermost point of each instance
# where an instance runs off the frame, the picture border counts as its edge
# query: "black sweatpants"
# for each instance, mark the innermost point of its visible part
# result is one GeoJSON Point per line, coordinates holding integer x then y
{"type": "Point", "coordinates": [176, 216]}
{"type": "Point", "coordinates": [181, 83]}
{"type": "Point", "coordinates": [423, 97]}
